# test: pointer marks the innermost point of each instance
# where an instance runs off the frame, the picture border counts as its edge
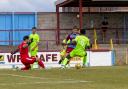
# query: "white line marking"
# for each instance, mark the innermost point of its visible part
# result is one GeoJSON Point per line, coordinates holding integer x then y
{"type": "Point", "coordinates": [50, 82]}
{"type": "Point", "coordinates": [32, 77]}
{"type": "Point", "coordinates": [64, 81]}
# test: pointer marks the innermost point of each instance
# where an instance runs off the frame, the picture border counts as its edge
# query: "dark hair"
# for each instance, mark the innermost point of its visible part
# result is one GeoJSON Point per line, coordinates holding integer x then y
{"type": "Point", "coordinates": [33, 27]}
{"type": "Point", "coordinates": [25, 37]}
{"type": "Point", "coordinates": [75, 27]}
{"type": "Point", "coordinates": [83, 31]}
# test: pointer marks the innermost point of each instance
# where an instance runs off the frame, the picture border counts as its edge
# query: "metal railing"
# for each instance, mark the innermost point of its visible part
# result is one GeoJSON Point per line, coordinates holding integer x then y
{"type": "Point", "coordinates": [48, 37]}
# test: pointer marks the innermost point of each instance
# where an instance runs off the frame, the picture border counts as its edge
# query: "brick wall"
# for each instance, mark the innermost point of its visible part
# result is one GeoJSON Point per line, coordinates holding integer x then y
{"type": "Point", "coordinates": [68, 20]}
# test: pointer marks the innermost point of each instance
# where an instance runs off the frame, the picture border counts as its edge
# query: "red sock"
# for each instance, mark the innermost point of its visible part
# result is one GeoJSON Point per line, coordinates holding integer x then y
{"type": "Point", "coordinates": [41, 63]}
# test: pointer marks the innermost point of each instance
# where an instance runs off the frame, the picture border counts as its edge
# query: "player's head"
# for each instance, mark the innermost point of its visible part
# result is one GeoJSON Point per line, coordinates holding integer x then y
{"type": "Point", "coordinates": [34, 30]}
{"type": "Point", "coordinates": [75, 29]}
{"type": "Point", "coordinates": [83, 32]}
{"type": "Point", "coordinates": [26, 38]}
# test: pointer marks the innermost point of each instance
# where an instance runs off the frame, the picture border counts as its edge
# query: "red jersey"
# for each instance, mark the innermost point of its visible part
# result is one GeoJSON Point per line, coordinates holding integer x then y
{"type": "Point", "coordinates": [23, 51]}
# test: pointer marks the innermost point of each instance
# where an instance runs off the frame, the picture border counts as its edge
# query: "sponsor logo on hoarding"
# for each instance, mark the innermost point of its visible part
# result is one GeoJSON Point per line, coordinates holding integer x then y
{"type": "Point", "coordinates": [46, 58]}
{"type": "Point", "coordinates": [2, 59]}
{"type": "Point", "coordinates": [13, 58]}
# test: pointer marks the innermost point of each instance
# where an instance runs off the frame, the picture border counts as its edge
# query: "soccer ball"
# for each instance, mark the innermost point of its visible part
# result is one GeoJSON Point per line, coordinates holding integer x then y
{"type": "Point", "coordinates": [78, 66]}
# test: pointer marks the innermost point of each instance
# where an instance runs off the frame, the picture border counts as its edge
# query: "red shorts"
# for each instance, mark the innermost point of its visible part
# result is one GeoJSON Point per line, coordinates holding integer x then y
{"type": "Point", "coordinates": [68, 50]}
{"type": "Point", "coordinates": [28, 60]}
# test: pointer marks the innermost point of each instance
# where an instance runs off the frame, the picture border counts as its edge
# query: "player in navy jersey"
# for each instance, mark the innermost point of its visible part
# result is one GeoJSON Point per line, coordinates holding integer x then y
{"type": "Point", "coordinates": [69, 39]}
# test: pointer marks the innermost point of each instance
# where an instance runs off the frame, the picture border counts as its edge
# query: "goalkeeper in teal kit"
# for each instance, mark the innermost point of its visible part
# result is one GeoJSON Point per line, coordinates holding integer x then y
{"type": "Point", "coordinates": [82, 43]}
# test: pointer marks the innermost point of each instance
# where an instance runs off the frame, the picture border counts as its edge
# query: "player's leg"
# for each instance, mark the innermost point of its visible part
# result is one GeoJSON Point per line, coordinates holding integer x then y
{"type": "Point", "coordinates": [40, 63]}
{"type": "Point", "coordinates": [31, 60]}
{"type": "Point", "coordinates": [26, 64]}
{"type": "Point", "coordinates": [83, 55]}
{"type": "Point", "coordinates": [68, 51]}
{"type": "Point", "coordinates": [27, 67]}
{"type": "Point", "coordinates": [65, 62]}
{"type": "Point", "coordinates": [33, 55]}
{"type": "Point", "coordinates": [68, 57]}
{"type": "Point", "coordinates": [84, 58]}
{"type": "Point", "coordinates": [62, 54]}
{"type": "Point", "coordinates": [80, 53]}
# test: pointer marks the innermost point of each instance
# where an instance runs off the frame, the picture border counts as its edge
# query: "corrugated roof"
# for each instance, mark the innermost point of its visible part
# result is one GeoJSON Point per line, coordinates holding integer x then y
{"type": "Point", "coordinates": [93, 3]}
{"type": "Point", "coordinates": [59, 1]}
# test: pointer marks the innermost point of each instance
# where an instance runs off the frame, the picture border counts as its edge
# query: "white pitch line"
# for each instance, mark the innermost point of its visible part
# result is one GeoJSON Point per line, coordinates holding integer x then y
{"type": "Point", "coordinates": [50, 82]}
{"type": "Point", "coordinates": [32, 77]}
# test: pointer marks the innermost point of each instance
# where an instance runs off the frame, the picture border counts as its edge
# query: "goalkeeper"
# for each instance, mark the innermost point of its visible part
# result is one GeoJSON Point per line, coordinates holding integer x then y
{"type": "Point", "coordinates": [82, 43]}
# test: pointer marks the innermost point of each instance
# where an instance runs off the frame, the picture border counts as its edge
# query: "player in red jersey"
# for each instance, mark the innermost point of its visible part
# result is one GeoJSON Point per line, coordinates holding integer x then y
{"type": "Point", "coordinates": [25, 59]}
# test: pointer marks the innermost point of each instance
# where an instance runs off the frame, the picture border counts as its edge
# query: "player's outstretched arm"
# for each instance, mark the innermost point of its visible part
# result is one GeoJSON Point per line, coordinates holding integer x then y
{"type": "Point", "coordinates": [13, 52]}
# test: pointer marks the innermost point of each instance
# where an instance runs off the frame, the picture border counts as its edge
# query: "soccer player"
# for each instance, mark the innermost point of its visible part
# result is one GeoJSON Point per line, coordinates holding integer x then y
{"type": "Point", "coordinates": [82, 43]}
{"type": "Point", "coordinates": [70, 46]}
{"type": "Point", "coordinates": [25, 59]}
{"type": "Point", "coordinates": [34, 45]}
{"type": "Point", "coordinates": [70, 37]}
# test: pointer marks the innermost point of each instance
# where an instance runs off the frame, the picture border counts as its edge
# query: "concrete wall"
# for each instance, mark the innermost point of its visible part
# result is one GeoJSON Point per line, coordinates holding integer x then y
{"type": "Point", "coordinates": [47, 20]}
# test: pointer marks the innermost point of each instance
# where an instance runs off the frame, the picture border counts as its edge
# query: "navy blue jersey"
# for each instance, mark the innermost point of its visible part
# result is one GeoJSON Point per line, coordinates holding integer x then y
{"type": "Point", "coordinates": [71, 37]}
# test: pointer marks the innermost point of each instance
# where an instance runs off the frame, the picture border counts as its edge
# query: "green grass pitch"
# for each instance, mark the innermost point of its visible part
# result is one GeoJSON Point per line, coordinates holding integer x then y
{"type": "Point", "coordinates": [115, 77]}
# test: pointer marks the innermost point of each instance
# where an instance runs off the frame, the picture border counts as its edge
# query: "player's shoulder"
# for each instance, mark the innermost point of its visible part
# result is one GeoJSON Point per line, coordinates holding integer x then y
{"type": "Point", "coordinates": [31, 35]}
{"type": "Point", "coordinates": [78, 37]}
{"type": "Point", "coordinates": [37, 35]}
{"type": "Point", "coordinates": [83, 37]}
{"type": "Point", "coordinates": [87, 39]}
{"type": "Point", "coordinates": [23, 43]}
